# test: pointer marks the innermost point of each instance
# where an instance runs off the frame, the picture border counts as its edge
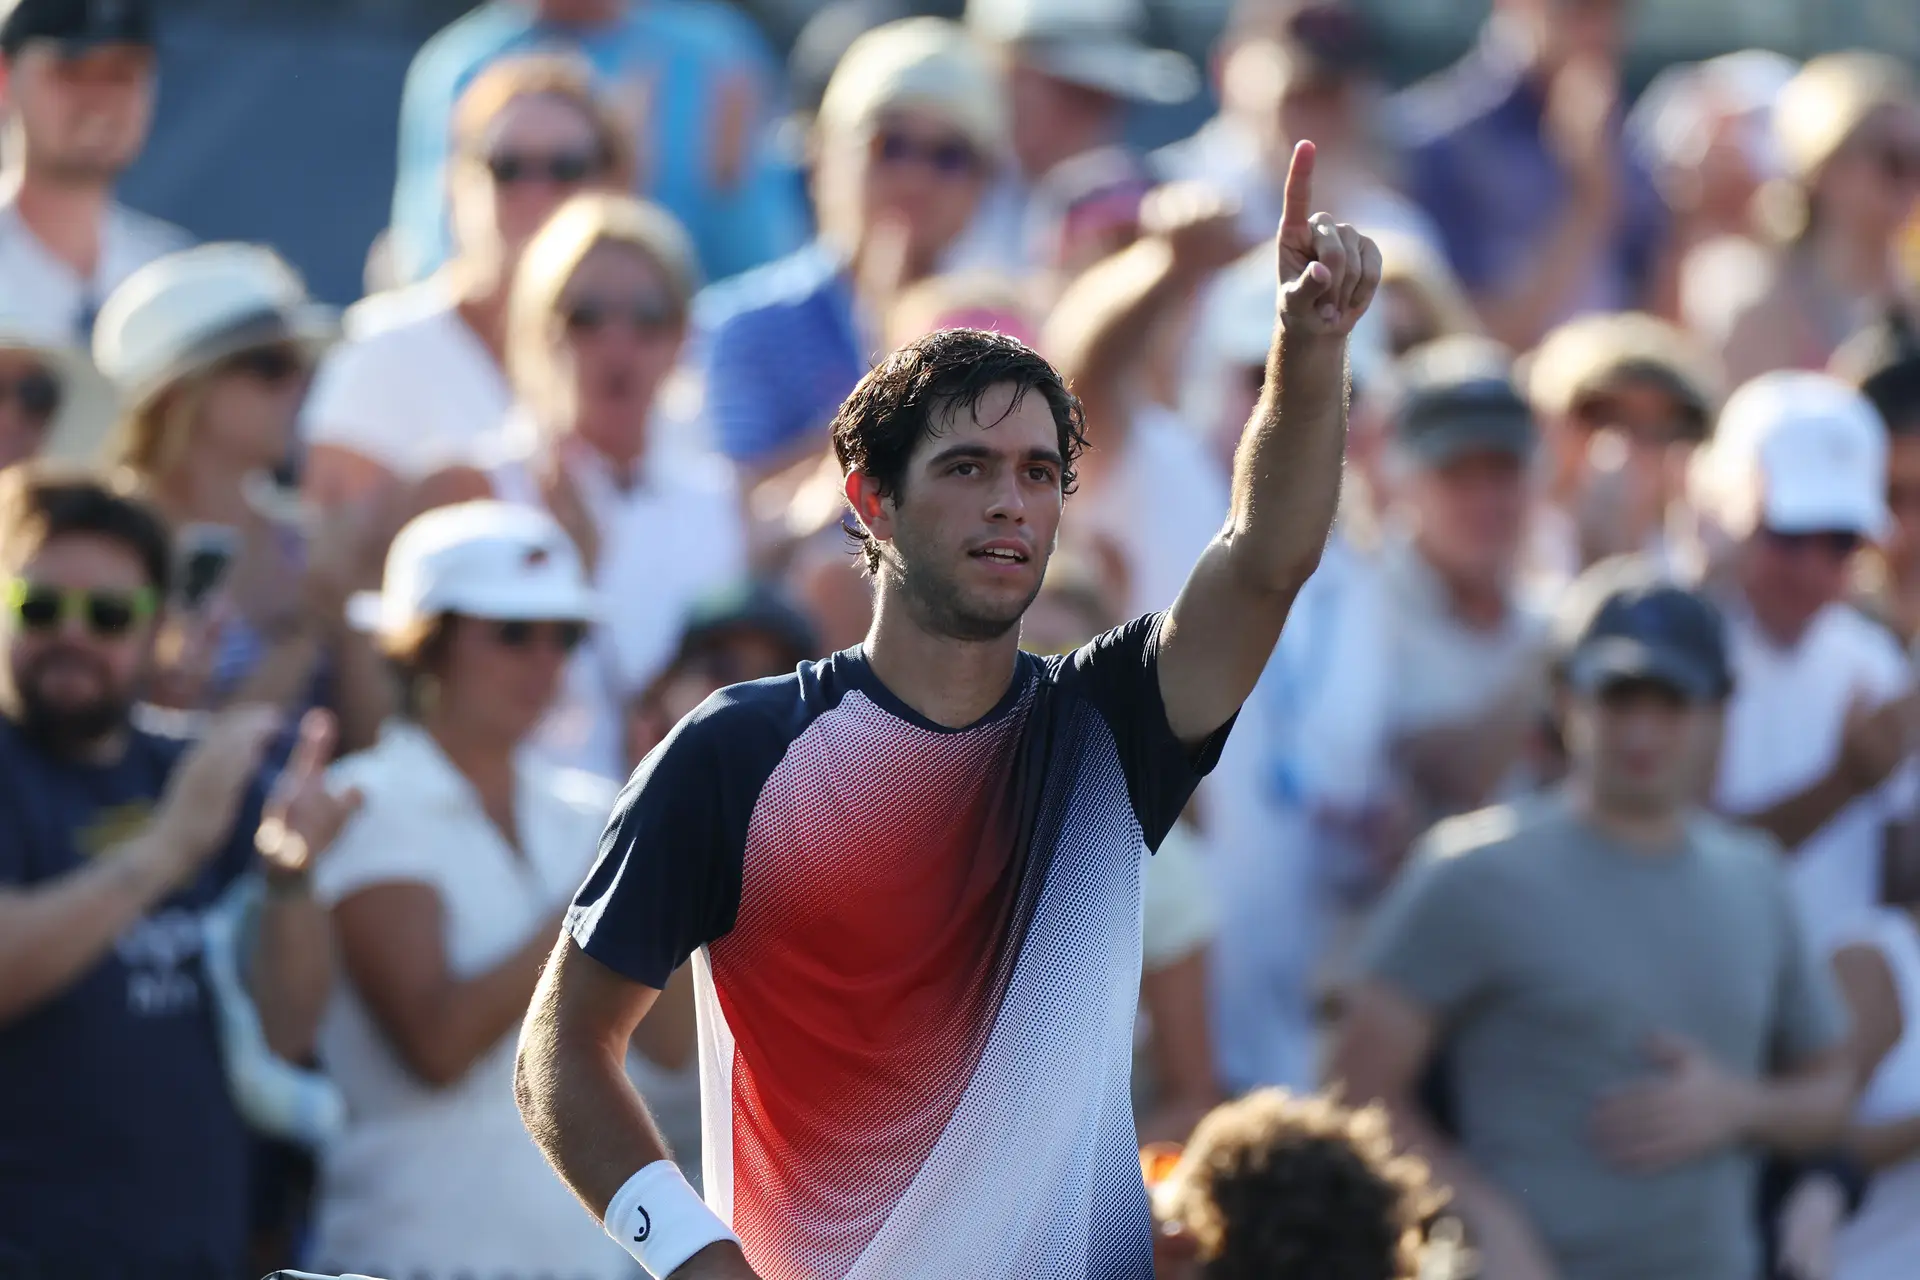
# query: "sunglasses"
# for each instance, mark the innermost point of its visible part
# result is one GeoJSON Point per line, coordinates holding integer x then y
{"type": "Point", "coordinates": [521, 636]}
{"type": "Point", "coordinates": [110, 614]}
{"type": "Point", "coordinates": [1597, 412]}
{"type": "Point", "coordinates": [272, 365]}
{"type": "Point", "coordinates": [648, 313]}
{"type": "Point", "coordinates": [1833, 544]}
{"type": "Point", "coordinates": [37, 394]}
{"type": "Point", "coordinates": [561, 168]}
{"type": "Point", "coordinates": [948, 157]}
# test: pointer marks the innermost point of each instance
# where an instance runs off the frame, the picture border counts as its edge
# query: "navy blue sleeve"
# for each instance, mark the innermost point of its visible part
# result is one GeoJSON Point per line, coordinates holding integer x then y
{"type": "Point", "coordinates": [667, 880]}
{"type": "Point", "coordinates": [1119, 673]}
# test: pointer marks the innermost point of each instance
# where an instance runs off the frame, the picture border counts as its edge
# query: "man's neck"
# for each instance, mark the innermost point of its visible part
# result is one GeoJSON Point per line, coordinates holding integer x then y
{"type": "Point", "coordinates": [950, 682]}
{"type": "Point", "coordinates": [66, 219]}
{"type": "Point", "coordinates": [1478, 602]}
{"type": "Point", "coordinates": [1651, 832]}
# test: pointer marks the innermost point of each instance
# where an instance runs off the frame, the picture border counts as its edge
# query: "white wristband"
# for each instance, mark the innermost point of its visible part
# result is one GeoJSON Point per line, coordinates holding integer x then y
{"type": "Point", "coordinates": [659, 1219]}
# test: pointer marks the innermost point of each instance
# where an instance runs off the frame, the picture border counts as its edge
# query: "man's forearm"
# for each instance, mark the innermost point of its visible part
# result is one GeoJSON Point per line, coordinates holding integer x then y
{"type": "Point", "coordinates": [1101, 330]}
{"type": "Point", "coordinates": [290, 971]}
{"type": "Point", "coordinates": [1801, 1113]}
{"type": "Point", "coordinates": [53, 933]}
{"type": "Point", "coordinates": [1286, 473]}
{"type": "Point", "coordinates": [1794, 820]}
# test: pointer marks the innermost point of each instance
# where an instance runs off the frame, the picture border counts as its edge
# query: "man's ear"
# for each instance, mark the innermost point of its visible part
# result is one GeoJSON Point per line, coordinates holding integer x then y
{"type": "Point", "coordinates": [873, 510]}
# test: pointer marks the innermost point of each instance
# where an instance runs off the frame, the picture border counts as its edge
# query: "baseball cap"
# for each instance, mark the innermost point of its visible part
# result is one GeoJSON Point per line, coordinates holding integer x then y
{"type": "Point", "coordinates": [75, 25]}
{"type": "Point", "coordinates": [1095, 44]}
{"type": "Point", "coordinates": [1798, 452]}
{"type": "Point", "coordinates": [1458, 398]}
{"type": "Point", "coordinates": [1628, 622]}
{"type": "Point", "coordinates": [753, 608]}
{"type": "Point", "coordinates": [482, 559]}
{"type": "Point", "coordinates": [918, 62]}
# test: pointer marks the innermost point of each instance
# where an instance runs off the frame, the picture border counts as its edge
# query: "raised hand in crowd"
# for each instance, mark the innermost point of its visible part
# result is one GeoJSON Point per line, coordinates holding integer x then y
{"type": "Point", "coordinates": [1874, 738]}
{"type": "Point", "coordinates": [202, 799]}
{"type": "Point", "coordinates": [304, 814]}
{"type": "Point", "coordinates": [1198, 225]}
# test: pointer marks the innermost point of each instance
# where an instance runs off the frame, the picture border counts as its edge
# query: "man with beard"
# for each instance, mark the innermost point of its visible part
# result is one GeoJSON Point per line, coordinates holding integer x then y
{"type": "Point", "coordinates": [121, 1152]}
{"type": "Point", "coordinates": [76, 78]}
{"type": "Point", "coordinates": [908, 875]}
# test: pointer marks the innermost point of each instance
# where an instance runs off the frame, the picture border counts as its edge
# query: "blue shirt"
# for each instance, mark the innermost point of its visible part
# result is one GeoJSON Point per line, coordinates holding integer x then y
{"type": "Point", "coordinates": [780, 348]}
{"type": "Point", "coordinates": [682, 50]}
{"type": "Point", "coordinates": [1477, 163]}
{"type": "Point", "coordinates": [121, 1152]}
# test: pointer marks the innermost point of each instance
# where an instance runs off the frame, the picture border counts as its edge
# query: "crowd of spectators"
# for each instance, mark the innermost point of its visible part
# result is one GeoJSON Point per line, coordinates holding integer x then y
{"type": "Point", "coordinates": [1572, 834]}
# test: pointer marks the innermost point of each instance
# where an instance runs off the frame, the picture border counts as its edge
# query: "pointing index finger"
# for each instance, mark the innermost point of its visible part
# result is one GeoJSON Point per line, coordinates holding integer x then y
{"type": "Point", "coordinates": [1299, 197]}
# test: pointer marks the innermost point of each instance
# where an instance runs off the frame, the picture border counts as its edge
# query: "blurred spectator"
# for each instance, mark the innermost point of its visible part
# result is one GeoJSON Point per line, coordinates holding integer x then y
{"type": "Point", "coordinates": [77, 84]}
{"type": "Point", "coordinates": [1516, 153]}
{"type": "Point", "coordinates": [1879, 970]}
{"type": "Point", "coordinates": [118, 839]}
{"type": "Point", "coordinates": [447, 891]}
{"type": "Point", "coordinates": [1884, 362]}
{"type": "Point", "coordinates": [421, 376]}
{"type": "Point", "coordinates": [1314, 77]}
{"type": "Point", "coordinates": [695, 81]}
{"type": "Point", "coordinates": [1277, 1187]}
{"type": "Point", "coordinates": [1821, 718]}
{"type": "Point", "coordinates": [907, 136]}
{"type": "Point", "coordinates": [1618, 981]}
{"type": "Point", "coordinates": [1174, 1082]}
{"type": "Point", "coordinates": [1420, 300]}
{"type": "Point", "coordinates": [598, 316]}
{"type": "Point", "coordinates": [210, 349]}
{"type": "Point", "coordinates": [1622, 400]}
{"type": "Point", "coordinates": [1466, 646]}
{"type": "Point", "coordinates": [1070, 68]}
{"type": "Point", "coordinates": [1848, 129]}
{"type": "Point", "coordinates": [53, 403]}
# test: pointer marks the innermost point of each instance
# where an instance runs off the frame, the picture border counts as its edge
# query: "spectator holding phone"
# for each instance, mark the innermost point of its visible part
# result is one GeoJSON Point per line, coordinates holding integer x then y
{"type": "Point", "coordinates": [121, 1151]}
{"type": "Point", "coordinates": [210, 349]}
{"type": "Point", "coordinates": [446, 892]}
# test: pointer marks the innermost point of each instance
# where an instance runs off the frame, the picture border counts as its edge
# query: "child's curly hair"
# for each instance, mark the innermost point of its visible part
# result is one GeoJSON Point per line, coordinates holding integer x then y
{"type": "Point", "coordinates": [1278, 1187]}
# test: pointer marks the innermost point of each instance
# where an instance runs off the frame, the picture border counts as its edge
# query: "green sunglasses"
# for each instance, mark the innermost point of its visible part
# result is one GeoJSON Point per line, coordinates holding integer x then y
{"type": "Point", "coordinates": [36, 607]}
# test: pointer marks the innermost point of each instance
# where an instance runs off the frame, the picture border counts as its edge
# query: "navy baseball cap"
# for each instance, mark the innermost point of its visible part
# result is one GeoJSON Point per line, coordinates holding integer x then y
{"type": "Point", "coordinates": [1641, 627]}
{"type": "Point", "coordinates": [1460, 398]}
{"type": "Point", "coordinates": [75, 25]}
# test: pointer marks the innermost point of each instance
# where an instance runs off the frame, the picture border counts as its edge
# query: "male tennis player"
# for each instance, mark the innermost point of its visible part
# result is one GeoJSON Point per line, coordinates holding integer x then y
{"type": "Point", "coordinates": [909, 875]}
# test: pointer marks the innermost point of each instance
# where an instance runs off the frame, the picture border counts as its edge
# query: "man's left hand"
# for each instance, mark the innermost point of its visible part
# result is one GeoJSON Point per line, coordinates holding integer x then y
{"type": "Point", "coordinates": [1692, 1108]}
{"type": "Point", "coordinates": [303, 814]}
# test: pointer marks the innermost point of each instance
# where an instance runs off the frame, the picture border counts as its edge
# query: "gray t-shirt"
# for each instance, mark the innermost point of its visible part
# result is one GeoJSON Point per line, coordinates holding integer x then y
{"type": "Point", "coordinates": [1549, 954]}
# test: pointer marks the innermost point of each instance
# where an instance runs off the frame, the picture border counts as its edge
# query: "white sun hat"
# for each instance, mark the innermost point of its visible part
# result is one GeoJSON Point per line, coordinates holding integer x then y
{"type": "Point", "coordinates": [186, 311]}
{"type": "Point", "coordinates": [484, 559]}
{"type": "Point", "coordinates": [1092, 43]}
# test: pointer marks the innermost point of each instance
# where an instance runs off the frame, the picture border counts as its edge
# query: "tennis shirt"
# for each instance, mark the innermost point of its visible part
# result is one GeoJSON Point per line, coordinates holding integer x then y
{"type": "Point", "coordinates": [916, 959]}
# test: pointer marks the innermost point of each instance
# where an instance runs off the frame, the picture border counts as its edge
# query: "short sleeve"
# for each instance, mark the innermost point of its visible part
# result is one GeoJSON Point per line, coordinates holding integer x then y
{"type": "Point", "coordinates": [750, 414]}
{"type": "Point", "coordinates": [667, 878]}
{"type": "Point", "coordinates": [1427, 940]}
{"type": "Point", "coordinates": [372, 849]}
{"type": "Point", "coordinates": [1809, 1016]}
{"type": "Point", "coordinates": [1119, 673]}
{"type": "Point", "coordinates": [353, 404]}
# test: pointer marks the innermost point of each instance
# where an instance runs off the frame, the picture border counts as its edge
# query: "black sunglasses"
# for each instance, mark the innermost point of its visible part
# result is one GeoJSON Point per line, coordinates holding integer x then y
{"type": "Point", "coordinates": [37, 607]}
{"type": "Point", "coordinates": [268, 364]}
{"type": "Point", "coordinates": [1835, 544]}
{"type": "Point", "coordinates": [647, 313]}
{"type": "Point", "coordinates": [516, 634]}
{"type": "Point", "coordinates": [950, 157]}
{"type": "Point", "coordinates": [37, 394]}
{"type": "Point", "coordinates": [561, 168]}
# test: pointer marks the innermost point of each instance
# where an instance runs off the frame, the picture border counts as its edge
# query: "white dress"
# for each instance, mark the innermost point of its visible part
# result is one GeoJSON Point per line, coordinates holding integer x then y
{"type": "Point", "coordinates": [1882, 1240]}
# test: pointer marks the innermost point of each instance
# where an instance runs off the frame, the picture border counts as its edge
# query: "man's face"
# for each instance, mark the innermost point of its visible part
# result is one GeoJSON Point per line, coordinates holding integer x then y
{"type": "Point", "coordinates": [1470, 512]}
{"type": "Point", "coordinates": [85, 117]}
{"type": "Point", "coordinates": [539, 151]}
{"type": "Point", "coordinates": [77, 673]}
{"type": "Point", "coordinates": [1620, 460]}
{"type": "Point", "coordinates": [1643, 747]}
{"type": "Point", "coordinates": [966, 540]}
{"type": "Point", "coordinates": [912, 168]}
{"type": "Point", "coordinates": [1791, 577]}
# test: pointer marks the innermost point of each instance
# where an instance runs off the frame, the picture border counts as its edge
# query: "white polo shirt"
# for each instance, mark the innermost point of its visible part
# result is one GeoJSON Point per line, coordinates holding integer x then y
{"type": "Point", "coordinates": [51, 296]}
{"type": "Point", "coordinates": [1783, 734]}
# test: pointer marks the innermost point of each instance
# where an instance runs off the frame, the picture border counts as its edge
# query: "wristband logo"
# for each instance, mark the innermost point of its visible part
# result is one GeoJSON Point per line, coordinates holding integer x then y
{"type": "Point", "coordinates": [646, 1225]}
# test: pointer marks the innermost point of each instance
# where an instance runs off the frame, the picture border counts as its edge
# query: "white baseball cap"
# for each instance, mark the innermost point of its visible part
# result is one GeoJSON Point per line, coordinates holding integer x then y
{"type": "Point", "coordinates": [1798, 452]}
{"type": "Point", "coordinates": [1092, 43]}
{"type": "Point", "coordinates": [483, 559]}
{"type": "Point", "coordinates": [929, 63]}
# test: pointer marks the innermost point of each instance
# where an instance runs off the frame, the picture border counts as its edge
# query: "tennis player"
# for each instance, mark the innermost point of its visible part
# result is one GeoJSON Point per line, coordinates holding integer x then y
{"type": "Point", "coordinates": [908, 875]}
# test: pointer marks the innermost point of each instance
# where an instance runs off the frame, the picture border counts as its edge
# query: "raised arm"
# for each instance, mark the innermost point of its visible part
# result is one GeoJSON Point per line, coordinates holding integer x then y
{"type": "Point", "coordinates": [1286, 475]}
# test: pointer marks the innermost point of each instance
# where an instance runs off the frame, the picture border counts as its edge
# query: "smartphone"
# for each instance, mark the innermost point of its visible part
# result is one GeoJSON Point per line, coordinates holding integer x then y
{"type": "Point", "coordinates": [204, 554]}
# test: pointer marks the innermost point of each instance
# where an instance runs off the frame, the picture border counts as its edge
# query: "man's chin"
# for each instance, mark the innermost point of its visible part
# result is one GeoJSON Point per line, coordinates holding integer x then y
{"type": "Point", "coordinates": [68, 729]}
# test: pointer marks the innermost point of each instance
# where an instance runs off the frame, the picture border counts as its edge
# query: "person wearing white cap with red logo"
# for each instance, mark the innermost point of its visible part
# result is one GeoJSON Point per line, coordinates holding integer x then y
{"type": "Point", "coordinates": [446, 895]}
{"type": "Point", "coordinates": [1819, 730]}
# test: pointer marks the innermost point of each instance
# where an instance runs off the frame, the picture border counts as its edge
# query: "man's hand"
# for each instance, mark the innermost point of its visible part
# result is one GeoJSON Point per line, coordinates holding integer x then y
{"type": "Point", "coordinates": [303, 816]}
{"type": "Point", "coordinates": [1199, 225]}
{"type": "Point", "coordinates": [1808, 1223]}
{"type": "Point", "coordinates": [1328, 271]}
{"type": "Point", "coordinates": [1875, 739]}
{"type": "Point", "coordinates": [719, 1261]}
{"type": "Point", "coordinates": [203, 796]}
{"type": "Point", "coordinates": [1692, 1108]}
{"type": "Point", "coordinates": [1578, 128]}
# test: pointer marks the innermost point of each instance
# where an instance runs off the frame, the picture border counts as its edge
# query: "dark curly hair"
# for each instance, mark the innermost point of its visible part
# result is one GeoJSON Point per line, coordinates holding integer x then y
{"type": "Point", "coordinates": [1278, 1187]}
{"type": "Point", "coordinates": [901, 402]}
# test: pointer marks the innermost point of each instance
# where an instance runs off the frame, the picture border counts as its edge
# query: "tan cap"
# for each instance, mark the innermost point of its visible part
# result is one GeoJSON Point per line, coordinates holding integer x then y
{"type": "Point", "coordinates": [1598, 352]}
{"type": "Point", "coordinates": [929, 63]}
{"type": "Point", "coordinates": [1830, 97]}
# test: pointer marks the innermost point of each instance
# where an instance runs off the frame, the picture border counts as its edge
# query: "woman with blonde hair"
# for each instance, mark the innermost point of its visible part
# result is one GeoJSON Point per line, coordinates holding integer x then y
{"type": "Point", "coordinates": [210, 350]}
{"type": "Point", "coordinates": [422, 373]}
{"type": "Point", "coordinates": [594, 330]}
